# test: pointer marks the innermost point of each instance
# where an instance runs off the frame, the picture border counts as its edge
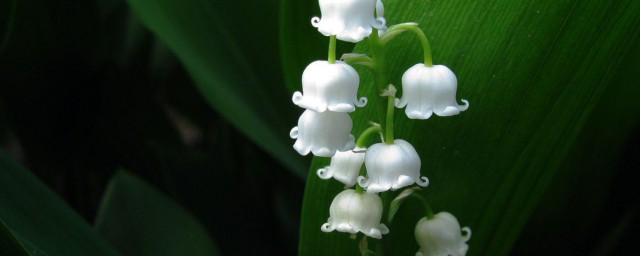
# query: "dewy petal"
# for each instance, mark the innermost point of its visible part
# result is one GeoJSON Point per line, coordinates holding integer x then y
{"type": "Point", "coordinates": [348, 20]}
{"type": "Point", "coordinates": [353, 212]}
{"type": "Point", "coordinates": [329, 86]}
{"type": "Point", "coordinates": [428, 90]}
{"type": "Point", "coordinates": [323, 133]}
{"type": "Point", "coordinates": [392, 166]}
{"type": "Point", "coordinates": [441, 236]}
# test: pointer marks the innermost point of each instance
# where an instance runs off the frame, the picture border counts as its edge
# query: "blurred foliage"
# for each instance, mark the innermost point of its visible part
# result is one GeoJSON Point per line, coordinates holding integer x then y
{"type": "Point", "coordinates": [128, 220]}
{"type": "Point", "coordinates": [8, 242]}
{"type": "Point", "coordinates": [40, 221]}
{"type": "Point", "coordinates": [86, 89]}
{"type": "Point", "coordinates": [193, 97]}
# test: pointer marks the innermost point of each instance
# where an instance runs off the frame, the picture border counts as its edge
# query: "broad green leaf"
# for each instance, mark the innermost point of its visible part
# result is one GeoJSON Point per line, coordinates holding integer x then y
{"type": "Point", "coordinates": [602, 152]}
{"type": "Point", "coordinates": [229, 65]}
{"type": "Point", "coordinates": [39, 219]}
{"type": "Point", "coordinates": [139, 220]}
{"type": "Point", "coordinates": [9, 245]}
{"type": "Point", "coordinates": [533, 73]}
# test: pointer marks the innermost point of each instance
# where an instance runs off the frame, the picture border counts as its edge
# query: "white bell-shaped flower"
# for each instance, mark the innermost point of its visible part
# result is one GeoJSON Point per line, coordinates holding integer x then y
{"type": "Point", "coordinates": [391, 166]}
{"type": "Point", "coordinates": [428, 90]}
{"type": "Point", "coordinates": [441, 236]}
{"type": "Point", "coordinates": [329, 86]}
{"type": "Point", "coordinates": [355, 212]}
{"type": "Point", "coordinates": [344, 166]}
{"type": "Point", "coordinates": [323, 133]}
{"type": "Point", "coordinates": [349, 20]}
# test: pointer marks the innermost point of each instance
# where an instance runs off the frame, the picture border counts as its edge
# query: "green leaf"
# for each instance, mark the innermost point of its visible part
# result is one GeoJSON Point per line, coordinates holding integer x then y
{"type": "Point", "coordinates": [533, 73]}
{"type": "Point", "coordinates": [397, 202]}
{"type": "Point", "coordinates": [228, 64]}
{"type": "Point", "coordinates": [139, 220]}
{"type": "Point", "coordinates": [9, 245]}
{"type": "Point", "coordinates": [39, 219]}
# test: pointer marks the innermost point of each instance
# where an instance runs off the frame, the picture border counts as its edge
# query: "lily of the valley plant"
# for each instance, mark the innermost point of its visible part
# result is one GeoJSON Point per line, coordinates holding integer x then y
{"type": "Point", "coordinates": [330, 93]}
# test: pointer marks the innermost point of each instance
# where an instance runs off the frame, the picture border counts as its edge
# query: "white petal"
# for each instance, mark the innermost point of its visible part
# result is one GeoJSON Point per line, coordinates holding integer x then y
{"type": "Point", "coordinates": [323, 133]}
{"type": "Point", "coordinates": [348, 20]}
{"type": "Point", "coordinates": [428, 90]}
{"type": "Point", "coordinates": [329, 86]}
{"type": "Point", "coordinates": [391, 166]}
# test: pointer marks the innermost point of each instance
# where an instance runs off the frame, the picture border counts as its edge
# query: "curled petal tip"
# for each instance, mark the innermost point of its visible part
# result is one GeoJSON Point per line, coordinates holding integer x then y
{"type": "Point", "coordinates": [466, 236]}
{"type": "Point", "coordinates": [315, 22]}
{"type": "Point", "coordinates": [325, 173]}
{"type": "Point", "coordinates": [383, 229]}
{"type": "Point", "coordinates": [363, 182]}
{"type": "Point", "coordinates": [465, 106]}
{"type": "Point", "coordinates": [294, 133]}
{"type": "Point", "coordinates": [327, 227]}
{"type": "Point", "coordinates": [380, 23]}
{"type": "Point", "coordinates": [361, 102]}
{"type": "Point", "coordinates": [297, 97]}
{"type": "Point", "coordinates": [423, 181]}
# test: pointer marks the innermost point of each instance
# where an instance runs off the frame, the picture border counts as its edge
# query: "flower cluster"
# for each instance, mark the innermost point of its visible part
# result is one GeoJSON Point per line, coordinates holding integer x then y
{"type": "Point", "coordinates": [330, 92]}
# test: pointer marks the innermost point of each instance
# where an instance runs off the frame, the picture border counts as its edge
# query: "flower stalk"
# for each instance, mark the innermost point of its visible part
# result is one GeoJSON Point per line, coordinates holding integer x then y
{"type": "Point", "coordinates": [332, 50]}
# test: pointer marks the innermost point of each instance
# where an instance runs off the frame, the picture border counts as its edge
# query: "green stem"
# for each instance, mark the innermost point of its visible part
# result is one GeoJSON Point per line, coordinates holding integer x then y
{"type": "Point", "coordinates": [426, 47]}
{"type": "Point", "coordinates": [413, 27]}
{"type": "Point", "coordinates": [377, 52]}
{"type": "Point", "coordinates": [427, 207]}
{"type": "Point", "coordinates": [388, 135]}
{"type": "Point", "coordinates": [332, 49]}
{"type": "Point", "coordinates": [362, 140]}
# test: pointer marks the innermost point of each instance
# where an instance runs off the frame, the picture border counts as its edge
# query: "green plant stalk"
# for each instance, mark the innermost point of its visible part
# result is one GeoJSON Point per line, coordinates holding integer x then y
{"type": "Point", "coordinates": [413, 27]}
{"type": "Point", "coordinates": [377, 52]}
{"type": "Point", "coordinates": [427, 207]}
{"type": "Point", "coordinates": [332, 49]}
{"type": "Point", "coordinates": [388, 134]}
{"type": "Point", "coordinates": [426, 47]}
{"type": "Point", "coordinates": [362, 140]}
